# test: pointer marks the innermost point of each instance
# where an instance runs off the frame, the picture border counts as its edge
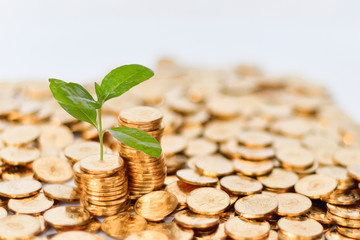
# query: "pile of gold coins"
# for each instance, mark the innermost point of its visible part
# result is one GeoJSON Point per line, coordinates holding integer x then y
{"type": "Point", "coordinates": [245, 156]}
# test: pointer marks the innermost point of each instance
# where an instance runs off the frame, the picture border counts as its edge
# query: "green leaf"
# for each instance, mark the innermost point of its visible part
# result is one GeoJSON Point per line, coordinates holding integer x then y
{"type": "Point", "coordinates": [99, 93]}
{"type": "Point", "coordinates": [121, 79]}
{"type": "Point", "coordinates": [137, 139]}
{"type": "Point", "coordinates": [75, 99]}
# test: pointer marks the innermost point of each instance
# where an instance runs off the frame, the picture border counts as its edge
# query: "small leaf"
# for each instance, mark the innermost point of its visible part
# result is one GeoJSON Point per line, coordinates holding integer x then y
{"type": "Point", "coordinates": [121, 79]}
{"type": "Point", "coordinates": [75, 99]}
{"type": "Point", "coordinates": [99, 93]}
{"type": "Point", "coordinates": [137, 139]}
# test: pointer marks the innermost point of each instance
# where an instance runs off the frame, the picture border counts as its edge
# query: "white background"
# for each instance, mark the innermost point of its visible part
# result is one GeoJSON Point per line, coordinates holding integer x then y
{"type": "Point", "coordinates": [81, 40]}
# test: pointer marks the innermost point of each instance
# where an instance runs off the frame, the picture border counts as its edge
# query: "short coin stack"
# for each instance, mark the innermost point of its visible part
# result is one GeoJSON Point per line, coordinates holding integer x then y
{"type": "Point", "coordinates": [145, 173]}
{"type": "Point", "coordinates": [104, 185]}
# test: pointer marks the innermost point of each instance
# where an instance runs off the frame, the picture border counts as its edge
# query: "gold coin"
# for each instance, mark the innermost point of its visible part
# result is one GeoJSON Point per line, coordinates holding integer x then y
{"type": "Point", "coordinates": [295, 127]}
{"type": "Point", "coordinates": [295, 158]}
{"type": "Point", "coordinates": [61, 192]}
{"type": "Point", "coordinates": [240, 229]}
{"type": "Point", "coordinates": [224, 108]}
{"type": "Point", "coordinates": [172, 144]}
{"type": "Point", "coordinates": [208, 201]}
{"type": "Point", "coordinates": [341, 197]}
{"type": "Point", "coordinates": [350, 212]}
{"type": "Point", "coordinates": [200, 147]}
{"type": "Point", "coordinates": [94, 165]}
{"type": "Point", "coordinates": [171, 230]}
{"type": "Point", "coordinates": [324, 156]}
{"type": "Point", "coordinates": [76, 235]}
{"type": "Point", "coordinates": [147, 235]}
{"type": "Point", "coordinates": [123, 224]}
{"type": "Point", "coordinates": [191, 177]}
{"type": "Point", "coordinates": [43, 225]}
{"type": "Point", "coordinates": [69, 216]}
{"type": "Point", "coordinates": [20, 135]}
{"type": "Point", "coordinates": [300, 228]}
{"type": "Point", "coordinates": [319, 214]}
{"type": "Point", "coordinates": [219, 234]}
{"type": "Point", "coordinates": [93, 226]}
{"type": "Point", "coordinates": [19, 188]}
{"type": "Point", "coordinates": [214, 166]}
{"type": "Point", "coordinates": [314, 142]}
{"type": "Point", "coordinates": [32, 205]}
{"type": "Point", "coordinates": [292, 204]}
{"type": "Point", "coordinates": [256, 154]}
{"type": "Point", "coordinates": [347, 156]}
{"type": "Point", "coordinates": [17, 172]}
{"type": "Point", "coordinates": [230, 149]}
{"type": "Point", "coordinates": [220, 131]}
{"type": "Point", "coordinates": [253, 168]}
{"type": "Point", "coordinates": [316, 186]}
{"type": "Point", "coordinates": [279, 179]}
{"type": "Point", "coordinates": [345, 222]}
{"type": "Point", "coordinates": [339, 173]}
{"type": "Point", "coordinates": [141, 115]}
{"type": "Point", "coordinates": [174, 163]}
{"type": "Point", "coordinates": [191, 220]}
{"type": "Point", "coordinates": [257, 139]}
{"type": "Point", "coordinates": [170, 179]}
{"type": "Point", "coordinates": [156, 206]}
{"type": "Point", "coordinates": [349, 232]}
{"type": "Point", "coordinates": [181, 190]}
{"type": "Point", "coordinates": [52, 170]}
{"type": "Point", "coordinates": [19, 156]}
{"type": "Point", "coordinates": [273, 235]}
{"type": "Point", "coordinates": [240, 185]}
{"type": "Point", "coordinates": [332, 234]}
{"type": "Point", "coordinates": [354, 171]}
{"type": "Point", "coordinates": [19, 227]}
{"type": "Point", "coordinates": [77, 151]}
{"type": "Point", "coordinates": [55, 137]}
{"type": "Point", "coordinates": [3, 212]}
{"type": "Point", "coordinates": [256, 206]}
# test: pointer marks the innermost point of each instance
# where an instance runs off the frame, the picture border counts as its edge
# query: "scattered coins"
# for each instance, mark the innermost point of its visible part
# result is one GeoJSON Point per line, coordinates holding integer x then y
{"type": "Point", "coordinates": [316, 186]}
{"type": "Point", "coordinates": [236, 228]}
{"type": "Point", "coordinates": [19, 188]}
{"type": "Point", "coordinates": [292, 204]}
{"type": "Point", "coordinates": [300, 227]}
{"type": "Point", "coordinates": [192, 220]}
{"type": "Point", "coordinates": [61, 192]}
{"type": "Point", "coordinates": [256, 206]}
{"type": "Point", "coordinates": [32, 205]}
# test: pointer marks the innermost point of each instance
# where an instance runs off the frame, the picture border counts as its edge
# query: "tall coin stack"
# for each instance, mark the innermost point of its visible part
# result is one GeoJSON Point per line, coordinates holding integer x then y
{"type": "Point", "coordinates": [103, 184]}
{"type": "Point", "coordinates": [145, 173]}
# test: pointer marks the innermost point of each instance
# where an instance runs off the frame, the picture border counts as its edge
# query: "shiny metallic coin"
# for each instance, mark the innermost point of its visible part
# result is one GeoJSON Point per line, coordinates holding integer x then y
{"type": "Point", "coordinates": [240, 185]}
{"type": "Point", "coordinates": [332, 234]}
{"type": "Point", "coordinates": [155, 206]}
{"type": "Point", "coordinates": [255, 139]}
{"type": "Point", "coordinates": [345, 222]}
{"type": "Point", "coordinates": [292, 204]}
{"type": "Point", "coordinates": [141, 115]}
{"type": "Point", "coordinates": [354, 171]}
{"type": "Point", "coordinates": [61, 192]}
{"type": "Point", "coordinates": [239, 229]}
{"type": "Point", "coordinates": [55, 137]}
{"type": "Point", "coordinates": [17, 172]}
{"type": "Point", "coordinates": [319, 214]}
{"type": "Point", "coordinates": [19, 156]}
{"type": "Point", "coordinates": [181, 190]}
{"type": "Point", "coordinates": [147, 235]}
{"type": "Point", "coordinates": [19, 188]}
{"type": "Point", "coordinates": [279, 179]}
{"type": "Point", "coordinates": [341, 197]}
{"type": "Point", "coordinates": [52, 170]}
{"type": "Point", "coordinates": [32, 205]}
{"type": "Point", "coordinates": [337, 172]}
{"type": "Point", "coordinates": [208, 201]}
{"type": "Point", "coordinates": [349, 232]}
{"type": "Point", "coordinates": [94, 165]}
{"type": "Point", "coordinates": [191, 177]}
{"type": "Point", "coordinates": [172, 230]}
{"type": "Point", "coordinates": [220, 131]}
{"type": "Point", "coordinates": [76, 235]}
{"type": "Point", "coordinates": [316, 186]}
{"type": "Point", "coordinates": [347, 156]}
{"type": "Point", "coordinates": [300, 228]}
{"type": "Point", "coordinates": [19, 227]}
{"type": "Point", "coordinates": [200, 147]}
{"type": "Point", "coordinates": [77, 151]}
{"type": "Point", "coordinates": [253, 168]}
{"type": "Point", "coordinates": [214, 166]}
{"type": "Point", "coordinates": [3, 212]}
{"type": "Point", "coordinates": [20, 135]}
{"type": "Point", "coordinates": [123, 224]}
{"type": "Point", "coordinates": [256, 206]}
{"type": "Point", "coordinates": [67, 216]}
{"type": "Point", "coordinates": [349, 212]}
{"type": "Point", "coordinates": [192, 220]}
{"type": "Point", "coordinates": [295, 158]}
{"type": "Point", "coordinates": [255, 153]}
{"type": "Point", "coordinates": [172, 144]}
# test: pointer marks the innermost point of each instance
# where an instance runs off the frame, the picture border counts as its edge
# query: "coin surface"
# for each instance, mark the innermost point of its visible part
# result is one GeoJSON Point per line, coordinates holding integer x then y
{"type": "Point", "coordinates": [332, 234]}
{"type": "Point", "coordinates": [256, 154]}
{"type": "Point", "coordinates": [256, 206]}
{"type": "Point", "coordinates": [208, 201]}
{"type": "Point", "coordinates": [61, 192]}
{"type": "Point", "coordinates": [55, 137]}
{"type": "Point", "coordinates": [253, 168]}
{"type": "Point", "coordinates": [67, 216]}
{"type": "Point", "coordinates": [3, 212]}
{"type": "Point", "coordinates": [181, 190]}
{"type": "Point", "coordinates": [300, 228]}
{"type": "Point", "coordinates": [21, 135]}
{"type": "Point", "coordinates": [76, 235]}
{"type": "Point", "coordinates": [349, 212]}
{"type": "Point", "coordinates": [141, 114]}
{"type": "Point", "coordinates": [295, 158]}
{"type": "Point", "coordinates": [191, 177]}
{"type": "Point", "coordinates": [200, 147]}
{"type": "Point", "coordinates": [292, 204]}
{"type": "Point", "coordinates": [147, 235]}
{"type": "Point", "coordinates": [32, 205]}
{"type": "Point", "coordinates": [349, 232]}
{"type": "Point", "coordinates": [279, 179]}
{"type": "Point", "coordinates": [240, 185]}
{"type": "Point", "coordinates": [341, 197]}
{"type": "Point", "coordinates": [93, 165]}
{"type": "Point", "coordinates": [155, 206]}
{"type": "Point", "coordinates": [255, 139]}
{"type": "Point", "coordinates": [316, 186]}
{"type": "Point", "coordinates": [172, 144]}
{"type": "Point", "coordinates": [19, 156]}
{"type": "Point", "coordinates": [214, 166]}
{"type": "Point", "coordinates": [172, 230]}
{"type": "Point", "coordinates": [77, 151]}
{"type": "Point", "coordinates": [19, 227]}
{"type": "Point", "coordinates": [192, 220]}
{"type": "Point", "coordinates": [319, 214]}
{"type": "Point", "coordinates": [347, 156]}
{"type": "Point", "coordinates": [123, 224]}
{"type": "Point", "coordinates": [52, 170]}
{"type": "Point", "coordinates": [240, 229]}
{"type": "Point", "coordinates": [19, 188]}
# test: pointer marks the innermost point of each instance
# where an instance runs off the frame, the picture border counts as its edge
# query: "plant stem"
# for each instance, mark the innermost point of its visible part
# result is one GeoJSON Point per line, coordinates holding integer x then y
{"type": "Point", "coordinates": [101, 136]}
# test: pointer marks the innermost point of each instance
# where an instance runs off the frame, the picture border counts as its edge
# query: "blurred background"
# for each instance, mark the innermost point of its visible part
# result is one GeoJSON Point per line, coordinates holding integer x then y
{"type": "Point", "coordinates": [81, 40]}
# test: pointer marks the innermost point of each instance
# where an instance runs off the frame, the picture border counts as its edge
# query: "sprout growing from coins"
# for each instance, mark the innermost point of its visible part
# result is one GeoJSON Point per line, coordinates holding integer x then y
{"type": "Point", "coordinates": [79, 103]}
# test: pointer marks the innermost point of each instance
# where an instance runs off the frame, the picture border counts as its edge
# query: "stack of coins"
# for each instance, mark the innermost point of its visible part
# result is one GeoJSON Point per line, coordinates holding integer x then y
{"type": "Point", "coordinates": [145, 173]}
{"type": "Point", "coordinates": [104, 185]}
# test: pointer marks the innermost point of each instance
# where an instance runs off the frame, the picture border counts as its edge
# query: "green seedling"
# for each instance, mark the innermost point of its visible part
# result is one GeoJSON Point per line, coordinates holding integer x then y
{"type": "Point", "coordinates": [79, 103]}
